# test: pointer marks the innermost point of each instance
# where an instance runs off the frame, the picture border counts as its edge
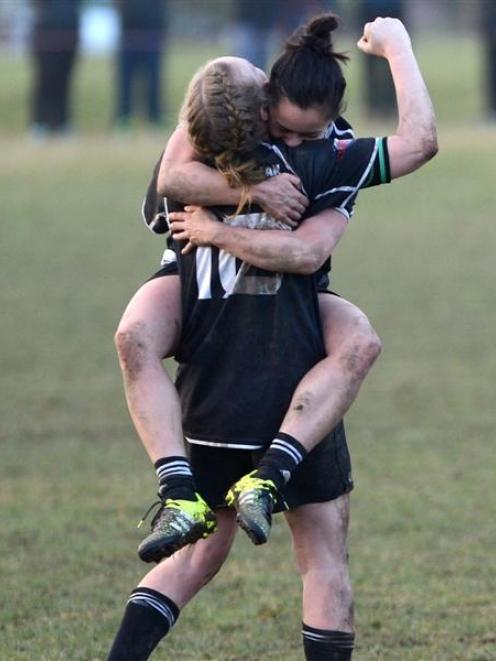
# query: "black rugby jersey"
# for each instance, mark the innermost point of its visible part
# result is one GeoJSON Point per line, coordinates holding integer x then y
{"type": "Point", "coordinates": [250, 335]}
{"type": "Point", "coordinates": [153, 210]}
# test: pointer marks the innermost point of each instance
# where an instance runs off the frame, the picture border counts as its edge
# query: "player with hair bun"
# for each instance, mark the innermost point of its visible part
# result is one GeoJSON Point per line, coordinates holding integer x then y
{"type": "Point", "coordinates": [301, 74]}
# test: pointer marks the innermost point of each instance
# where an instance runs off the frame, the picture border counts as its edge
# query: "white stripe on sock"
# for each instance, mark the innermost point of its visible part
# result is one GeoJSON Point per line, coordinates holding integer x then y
{"type": "Point", "coordinates": [173, 464]}
{"type": "Point", "coordinates": [174, 467]}
{"type": "Point", "coordinates": [288, 449]}
{"type": "Point", "coordinates": [142, 598]}
{"type": "Point", "coordinates": [174, 471]}
{"type": "Point", "coordinates": [327, 638]}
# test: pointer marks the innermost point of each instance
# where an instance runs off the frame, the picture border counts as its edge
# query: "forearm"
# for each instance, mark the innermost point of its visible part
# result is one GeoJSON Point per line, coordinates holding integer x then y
{"type": "Point", "coordinates": [302, 251]}
{"type": "Point", "coordinates": [415, 137]}
{"type": "Point", "coordinates": [183, 177]}
{"type": "Point", "coordinates": [272, 250]}
{"type": "Point", "coordinates": [195, 183]}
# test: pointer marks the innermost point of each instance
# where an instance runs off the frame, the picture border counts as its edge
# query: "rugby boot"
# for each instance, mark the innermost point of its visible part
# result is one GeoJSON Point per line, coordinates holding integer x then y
{"type": "Point", "coordinates": [176, 524]}
{"type": "Point", "coordinates": [253, 498]}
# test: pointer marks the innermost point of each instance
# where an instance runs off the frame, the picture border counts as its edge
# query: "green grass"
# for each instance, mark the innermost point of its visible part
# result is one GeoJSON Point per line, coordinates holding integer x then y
{"type": "Point", "coordinates": [418, 258]}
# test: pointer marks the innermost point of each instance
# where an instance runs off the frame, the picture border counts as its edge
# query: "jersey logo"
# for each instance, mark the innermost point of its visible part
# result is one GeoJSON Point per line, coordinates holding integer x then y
{"type": "Point", "coordinates": [272, 170]}
{"type": "Point", "coordinates": [341, 147]}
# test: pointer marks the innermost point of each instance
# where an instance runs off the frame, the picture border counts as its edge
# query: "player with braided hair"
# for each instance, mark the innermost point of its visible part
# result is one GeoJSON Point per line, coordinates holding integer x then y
{"type": "Point", "coordinates": [318, 523]}
{"type": "Point", "coordinates": [221, 123]}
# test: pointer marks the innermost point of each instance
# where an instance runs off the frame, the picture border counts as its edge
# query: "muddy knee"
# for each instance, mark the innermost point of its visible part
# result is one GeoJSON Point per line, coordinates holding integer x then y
{"type": "Point", "coordinates": [362, 351]}
{"type": "Point", "coordinates": [130, 342]}
{"type": "Point", "coordinates": [331, 590]}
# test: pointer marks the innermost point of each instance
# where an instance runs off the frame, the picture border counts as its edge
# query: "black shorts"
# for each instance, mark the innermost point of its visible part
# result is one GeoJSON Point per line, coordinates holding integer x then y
{"type": "Point", "coordinates": [170, 268]}
{"type": "Point", "coordinates": [325, 474]}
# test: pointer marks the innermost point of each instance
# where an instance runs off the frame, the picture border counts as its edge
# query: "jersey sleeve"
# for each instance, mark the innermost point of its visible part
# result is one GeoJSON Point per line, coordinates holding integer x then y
{"type": "Point", "coordinates": [380, 172]}
{"type": "Point", "coordinates": [357, 164]}
{"type": "Point", "coordinates": [153, 209]}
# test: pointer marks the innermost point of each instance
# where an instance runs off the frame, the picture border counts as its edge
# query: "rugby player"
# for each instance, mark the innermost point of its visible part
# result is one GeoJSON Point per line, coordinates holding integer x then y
{"type": "Point", "coordinates": [318, 524]}
{"type": "Point", "coordinates": [323, 396]}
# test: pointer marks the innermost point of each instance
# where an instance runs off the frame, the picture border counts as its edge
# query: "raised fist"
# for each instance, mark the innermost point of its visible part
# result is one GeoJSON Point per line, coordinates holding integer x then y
{"type": "Point", "coordinates": [384, 37]}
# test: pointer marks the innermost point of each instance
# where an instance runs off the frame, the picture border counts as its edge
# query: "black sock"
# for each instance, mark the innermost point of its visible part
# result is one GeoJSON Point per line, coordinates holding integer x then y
{"type": "Point", "coordinates": [326, 645]}
{"type": "Point", "coordinates": [148, 617]}
{"type": "Point", "coordinates": [280, 460]}
{"type": "Point", "coordinates": [175, 478]}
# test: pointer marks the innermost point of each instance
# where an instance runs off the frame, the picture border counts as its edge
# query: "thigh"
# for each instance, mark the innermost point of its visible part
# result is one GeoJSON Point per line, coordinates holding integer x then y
{"type": "Point", "coordinates": [319, 533]}
{"type": "Point", "coordinates": [341, 320]}
{"type": "Point", "coordinates": [154, 312]}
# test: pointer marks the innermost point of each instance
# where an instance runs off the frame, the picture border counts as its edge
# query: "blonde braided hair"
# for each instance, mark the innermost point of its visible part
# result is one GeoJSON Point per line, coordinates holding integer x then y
{"type": "Point", "coordinates": [224, 123]}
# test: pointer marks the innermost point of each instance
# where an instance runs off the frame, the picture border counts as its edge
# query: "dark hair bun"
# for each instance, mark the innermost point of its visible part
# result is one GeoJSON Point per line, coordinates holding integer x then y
{"type": "Point", "coordinates": [308, 71]}
{"type": "Point", "coordinates": [322, 26]}
{"type": "Point", "coordinates": [316, 35]}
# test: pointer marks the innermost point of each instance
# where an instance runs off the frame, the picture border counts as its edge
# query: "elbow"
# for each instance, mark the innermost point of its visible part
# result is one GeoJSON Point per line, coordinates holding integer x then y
{"type": "Point", "coordinates": [165, 183]}
{"type": "Point", "coordinates": [306, 268]}
{"type": "Point", "coordinates": [310, 260]}
{"type": "Point", "coordinates": [421, 152]}
{"type": "Point", "coordinates": [162, 186]}
{"type": "Point", "coordinates": [427, 146]}
{"type": "Point", "coordinates": [434, 148]}
{"type": "Point", "coordinates": [316, 263]}
{"type": "Point", "coordinates": [430, 146]}
{"type": "Point", "coordinates": [410, 150]}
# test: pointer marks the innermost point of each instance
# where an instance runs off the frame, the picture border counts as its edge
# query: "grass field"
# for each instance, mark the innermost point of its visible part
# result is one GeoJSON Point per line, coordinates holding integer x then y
{"type": "Point", "coordinates": [418, 257]}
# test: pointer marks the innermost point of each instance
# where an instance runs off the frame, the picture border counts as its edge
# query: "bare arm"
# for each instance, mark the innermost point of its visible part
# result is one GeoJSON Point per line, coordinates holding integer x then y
{"type": "Point", "coordinates": [302, 251]}
{"type": "Point", "coordinates": [182, 177]}
{"type": "Point", "coordinates": [415, 141]}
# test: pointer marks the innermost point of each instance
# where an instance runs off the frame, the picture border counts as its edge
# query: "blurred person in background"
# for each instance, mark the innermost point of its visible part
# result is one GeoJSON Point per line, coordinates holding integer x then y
{"type": "Point", "coordinates": [296, 12]}
{"type": "Point", "coordinates": [488, 25]}
{"type": "Point", "coordinates": [253, 29]}
{"type": "Point", "coordinates": [54, 48]}
{"type": "Point", "coordinates": [15, 25]}
{"type": "Point", "coordinates": [139, 59]}
{"type": "Point", "coordinates": [379, 98]}
{"type": "Point", "coordinates": [258, 24]}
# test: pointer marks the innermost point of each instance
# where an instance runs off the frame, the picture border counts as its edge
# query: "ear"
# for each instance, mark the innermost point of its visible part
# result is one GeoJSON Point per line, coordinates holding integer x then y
{"type": "Point", "coordinates": [264, 113]}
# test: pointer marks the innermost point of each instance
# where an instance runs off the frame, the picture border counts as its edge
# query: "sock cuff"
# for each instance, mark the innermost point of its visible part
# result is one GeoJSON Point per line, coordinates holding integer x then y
{"type": "Point", "coordinates": [338, 639]}
{"type": "Point", "coordinates": [289, 443]}
{"type": "Point", "coordinates": [163, 461]}
{"type": "Point", "coordinates": [170, 467]}
{"type": "Point", "coordinates": [147, 597]}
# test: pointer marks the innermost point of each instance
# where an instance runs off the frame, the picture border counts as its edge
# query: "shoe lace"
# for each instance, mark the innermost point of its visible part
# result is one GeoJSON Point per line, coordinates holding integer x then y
{"type": "Point", "coordinates": [161, 505]}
